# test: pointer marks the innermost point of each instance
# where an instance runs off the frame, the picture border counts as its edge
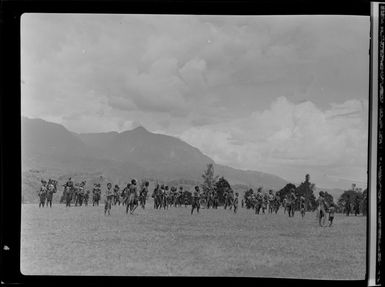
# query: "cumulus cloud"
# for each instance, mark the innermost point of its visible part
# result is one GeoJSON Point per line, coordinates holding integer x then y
{"type": "Point", "coordinates": [287, 135]}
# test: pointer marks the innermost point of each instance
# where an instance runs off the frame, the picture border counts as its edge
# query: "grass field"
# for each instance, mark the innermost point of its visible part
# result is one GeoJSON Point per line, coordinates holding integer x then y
{"type": "Point", "coordinates": [83, 241]}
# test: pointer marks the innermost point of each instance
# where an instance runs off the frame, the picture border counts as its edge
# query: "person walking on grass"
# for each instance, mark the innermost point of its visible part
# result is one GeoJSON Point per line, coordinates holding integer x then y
{"type": "Point", "coordinates": [132, 201]}
{"type": "Point", "coordinates": [321, 212]}
{"type": "Point", "coordinates": [258, 200]}
{"type": "Point", "coordinates": [186, 198]}
{"type": "Point", "coordinates": [302, 205]}
{"type": "Point", "coordinates": [291, 198]}
{"type": "Point", "coordinates": [195, 200]}
{"type": "Point", "coordinates": [271, 198]}
{"type": "Point", "coordinates": [143, 194]}
{"type": "Point", "coordinates": [109, 195]}
{"type": "Point", "coordinates": [42, 193]}
{"type": "Point", "coordinates": [180, 196]}
{"type": "Point", "coordinates": [116, 198]}
{"type": "Point", "coordinates": [331, 210]}
{"type": "Point", "coordinates": [235, 202]}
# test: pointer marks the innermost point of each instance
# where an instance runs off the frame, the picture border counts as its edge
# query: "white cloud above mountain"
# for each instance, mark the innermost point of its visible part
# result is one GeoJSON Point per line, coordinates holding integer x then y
{"type": "Point", "coordinates": [290, 135]}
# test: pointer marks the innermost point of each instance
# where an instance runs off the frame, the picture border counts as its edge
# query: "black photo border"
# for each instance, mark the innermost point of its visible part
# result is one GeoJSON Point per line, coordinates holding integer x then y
{"type": "Point", "coordinates": [380, 140]}
{"type": "Point", "coordinates": [10, 122]}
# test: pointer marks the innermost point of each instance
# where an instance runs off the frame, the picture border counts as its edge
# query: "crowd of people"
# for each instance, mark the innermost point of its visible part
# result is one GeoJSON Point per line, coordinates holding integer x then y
{"type": "Point", "coordinates": [134, 195]}
{"type": "Point", "coordinates": [46, 191]}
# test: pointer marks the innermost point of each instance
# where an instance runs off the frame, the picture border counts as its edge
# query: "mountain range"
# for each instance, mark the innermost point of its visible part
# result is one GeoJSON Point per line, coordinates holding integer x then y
{"type": "Point", "coordinates": [50, 150]}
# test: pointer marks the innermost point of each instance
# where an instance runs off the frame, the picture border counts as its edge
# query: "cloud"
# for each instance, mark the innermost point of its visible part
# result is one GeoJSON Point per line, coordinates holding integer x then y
{"type": "Point", "coordinates": [121, 103]}
{"type": "Point", "coordinates": [159, 89]}
{"type": "Point", "coordinates": [192, 73]}
{"type": "Point", "coordinates": [288, 135]}
{"type": "Point", "coordinates": [150, 64]}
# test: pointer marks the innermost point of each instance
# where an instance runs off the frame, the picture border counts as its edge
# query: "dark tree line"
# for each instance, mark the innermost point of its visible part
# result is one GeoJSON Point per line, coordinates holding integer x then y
{"type": "Point", "coordinates": [353, 201]}
{"type": "Point", "coordinates": [221, 186]}
{"type": "Point", "coordinates": [305, 189]}
{"type": "Point", "coordinates": [212, 183]}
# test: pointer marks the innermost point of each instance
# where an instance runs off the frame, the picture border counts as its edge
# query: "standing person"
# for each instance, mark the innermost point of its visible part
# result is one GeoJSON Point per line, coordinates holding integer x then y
{"type": "Point", "coordinates": [271, 201]}
{"type": "Point", "coordinates": [143, 194]}
{"type": "Point", "coordinates": [51, 189]}
{"type": "Point", "coordinates": [68, 191]}
{"type": "Point", "coordinates": [124, 194]}
{"type": "Point", "coordinates": [332, 210]}
{"type": "Point", "coordinates": [161, 196]}
{"type": "Point", "coordinates": [76, 194]}
{"type": "Point", "coordinates": [195, 200]}
{"type": "Point", "coordinates": [225, 197]}
{"type": "Point", "coordinates": [265, 202]}
{"type": "Point", "coordinates": [81, 192]}
{"type": "Point", "coordinates": [251, 202]}
{"type": "Point", "coordinates": [284, 204]}
{"type": "Point", "coordinates": [156, 196]}
{"type": "Point", "coordinates": [180, 196]}
{"type": "Point", "coordinates": [132, 202]}
{"type": "Point", "coordinates": [86, 197]}
{"type": "Point", "coordinates": [116, 198]}
{"type": "Point", "coordinates": [276, 202]}
{"type": "Point", "coordinates": [302, 205]}
{"type": "Point", "coordinates": [230, 198]}
{"type": "Point", "coordinates": [216, 199]}
{"type": "Point", "coordinates": [186, 198]}
{"type": "Point", "coordinates": [174, 196]}
{"type": "Point", "coordinates": [69, 183]}
{"type": "Point", "coordinates": [291, 202]}
{"type": "Point", "coordinates": [109, 195]}
{"type": "Point", "coordinates": [235, 202]}
{"type": "Point", "coordinates": [209, 199]}
{"type": "Point", "coordinates": [166, 196]}
{"type": "Point", "coordinates": [321, 208]}
{"type": "Point", "coordinates": [42, 193]}
{"type": "Point", "coordinates": [96, 194]}
{"type": "Point", "coordinates": [258, 200]}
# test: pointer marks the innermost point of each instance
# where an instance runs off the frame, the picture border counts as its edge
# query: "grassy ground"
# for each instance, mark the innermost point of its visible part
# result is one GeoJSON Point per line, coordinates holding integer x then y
{"type": "Point", "coordinates": [83, 241]}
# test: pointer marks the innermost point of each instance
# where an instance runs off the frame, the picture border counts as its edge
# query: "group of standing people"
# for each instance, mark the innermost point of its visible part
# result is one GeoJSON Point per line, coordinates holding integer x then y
{"type": "Point", "coordinates": [262, 202]}
{"type": "Point", "coordinates": [164, 197]}
{"type": "Point", "coordinates": [291, 202]}
{"type": "Point", "coordinates": [46, 191]}
{"type": "Point", "coordinates": [129, 196]}
{"type": "Point", "coordinates": [75, 193]}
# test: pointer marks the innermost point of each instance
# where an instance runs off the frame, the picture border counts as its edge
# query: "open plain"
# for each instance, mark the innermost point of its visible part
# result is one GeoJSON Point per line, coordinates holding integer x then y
{"type": "Point", "coordinates": [83, 241]}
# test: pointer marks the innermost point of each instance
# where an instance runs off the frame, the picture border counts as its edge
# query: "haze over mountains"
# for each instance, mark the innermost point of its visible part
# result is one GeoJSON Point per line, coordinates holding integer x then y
{"type": "Point", "coordinates": [49, 149]}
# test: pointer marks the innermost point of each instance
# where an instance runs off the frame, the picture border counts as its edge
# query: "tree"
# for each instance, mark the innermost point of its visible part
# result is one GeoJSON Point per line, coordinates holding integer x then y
{"type": "Point", "coordinates": [352, 200]}
{"type": "Point", "coordinates": [364, 204]}
{"type": "Point", "coordinates": [306, 189]}
{"type": "Point", "coordinates": [209, 180]}
{"type": "Point", "coordinates": [221, 186]}
{"type": "Point", "coordinates": [285, 190]}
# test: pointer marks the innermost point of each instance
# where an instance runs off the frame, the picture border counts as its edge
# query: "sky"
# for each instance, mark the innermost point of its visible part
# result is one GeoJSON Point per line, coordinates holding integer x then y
{"type": "Point", "coordinates": [286, 95]}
